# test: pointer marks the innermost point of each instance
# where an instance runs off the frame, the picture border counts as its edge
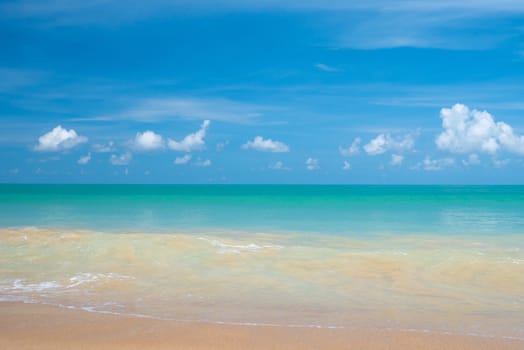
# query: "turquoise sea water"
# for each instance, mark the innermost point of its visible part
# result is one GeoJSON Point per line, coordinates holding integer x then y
{"type": "Point", "coordinates": [343, 210]}
{"type": "Point", "coordinates": [424, 258]}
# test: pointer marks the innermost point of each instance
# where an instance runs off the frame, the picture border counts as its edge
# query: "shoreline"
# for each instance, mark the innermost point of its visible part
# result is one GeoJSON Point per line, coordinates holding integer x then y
{"type": "Point", "coordinates": [37, 326]}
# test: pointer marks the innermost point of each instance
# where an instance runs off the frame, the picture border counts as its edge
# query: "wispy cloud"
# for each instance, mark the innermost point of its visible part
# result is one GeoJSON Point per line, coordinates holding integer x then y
{"type": "Point", "coordinates": [103, 148]}
{"type": "Point", "coordinates": [278, 166]}
{"type": "Point", "coordinates": [325, 68]}
{"type": "Point", "coordinates": [473, 159]}
{"type": "Point", "coordinates": [12, 79]}
{"type": "Point", "coordinates": [362, 24]}
{"type": "Point", "coordinates": [396, 159]}
{"type": "Point", "coordinates": [69, 11]}
{"type": "Point", "coordinates": [437, 164]}
{"type": "Point", "coordinates": [501, 163]}
{"type": "Point", "coordinates": [122, 159]}
{"type": "Point", "coordinates": [161, 109]}
{"type": "Point", "coordinates": [203, 163]}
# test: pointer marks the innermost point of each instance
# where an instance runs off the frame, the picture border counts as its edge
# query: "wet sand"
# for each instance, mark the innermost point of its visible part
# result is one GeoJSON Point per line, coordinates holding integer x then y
{"type": "Point", "coordinates": [32, 326]}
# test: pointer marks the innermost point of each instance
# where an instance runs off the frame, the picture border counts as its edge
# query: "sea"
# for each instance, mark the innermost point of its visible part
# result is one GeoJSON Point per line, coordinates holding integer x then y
{"type": "Point", "coordinates": [441, 259]}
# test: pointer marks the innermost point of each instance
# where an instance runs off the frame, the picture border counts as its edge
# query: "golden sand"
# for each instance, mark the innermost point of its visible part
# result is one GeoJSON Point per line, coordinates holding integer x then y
{"type": "Point", "coordinates": [32, 326]}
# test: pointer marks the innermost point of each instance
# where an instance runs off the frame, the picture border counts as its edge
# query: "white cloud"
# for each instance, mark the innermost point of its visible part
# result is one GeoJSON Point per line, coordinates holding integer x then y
{"type": "Point", "coordinates": [326, 68]}
{"type": "Point", "coordinates": [78, 12]}
{"type": "Point", "coordinates": [396, 159]}
{"type": "Point", "coordinates": [360, 23]}
{"type": "Point", "coordinates": [123, 159]}
{"type": "Point", "coordinates": [147, 141]}
{"type": "Point", "coordinates": [183, 160]}
{"type": "Point", "coordinates": [346, 165]}
{"type": "Point", "coordinates": [221, 145]}
{"type": "Point", "coordinates": [501, 163]}
{"type": "Point", "coordinates": [385, 142]}
{"type": "Point", "coordinates": [192, 142]}
{"type": "Point", "coordinates": [85, 159]}
{"type": "Point", "coordinates": [437, 164]}
{"type": "Point", "coordinates": [468, 131]}
{"type": "Point", "coordinates": [473, 159]}
{"type": "Point", "coordinates": [59, 139]}
{"type": "Point", "coordinates": [266, 145]}
{"type": "Point", "coordinates": [312, 164]}
{"type": "Point", "coordinates": [278, 166]}
{"type": "Point", "coordinates": [203, 163]}
{"type": "Point", "coordinates": [152, 110]}
{"type": "Point", "coordinates": [351, 150]}
{"type": "Point", "coordinates": [103, 148]}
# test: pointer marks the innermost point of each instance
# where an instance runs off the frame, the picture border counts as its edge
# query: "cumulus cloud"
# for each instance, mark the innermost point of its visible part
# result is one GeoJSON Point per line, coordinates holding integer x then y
{"type": "Point", "coordinates": [147, 141]}
{"type": "Point", "coordinates": [192, 142]}
{"type": "Point", "coordinates": [59, 139]}
{"type": "Point", "coordinates": [396, 159]}
{"type": "Point", "coordinates": [85, 159]}
{"type": "Point", "coordinates": [203, 163]}
{"type": "Point", "coordinates": [385, 142]}
{"type": "Point", "coordinates": [122, 159]}
{"type": "Point", "coordinates": [473, 159]}
{"type": "Point", "coordinates": [312, 164]}
{"type": "Point", "coordinates": [437, 164]}
{"type": "Point", "coordinates": [468, 131]}
{"type": "Point", "coordinates": [351, 150]}
{"type": "Point", "coordinates": [266, 145]}
{"type": "Point", "coordinates": [346, 165]}
{"type": "Point", "coordinates": [183, 160]}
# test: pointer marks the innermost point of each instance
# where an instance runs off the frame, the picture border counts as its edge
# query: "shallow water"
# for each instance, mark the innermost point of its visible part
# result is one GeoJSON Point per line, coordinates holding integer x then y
{"type": "Point", "coordinates": [214, 260]}
{"type": "Point", "coordinates": [423, 282]}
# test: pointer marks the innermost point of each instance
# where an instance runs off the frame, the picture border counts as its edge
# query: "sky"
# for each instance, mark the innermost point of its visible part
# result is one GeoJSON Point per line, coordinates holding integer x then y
{"type": "Point", "coordinates": [289, 91]}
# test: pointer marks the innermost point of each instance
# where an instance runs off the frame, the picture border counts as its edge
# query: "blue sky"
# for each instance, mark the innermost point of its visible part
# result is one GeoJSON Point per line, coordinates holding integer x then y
{"type": "Point", "coordinates": [262, 91]}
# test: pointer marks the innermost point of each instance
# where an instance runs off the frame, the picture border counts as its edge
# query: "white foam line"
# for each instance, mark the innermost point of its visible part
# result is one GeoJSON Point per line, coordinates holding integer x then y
{"type": "Point", "coordinates": [238, 247]}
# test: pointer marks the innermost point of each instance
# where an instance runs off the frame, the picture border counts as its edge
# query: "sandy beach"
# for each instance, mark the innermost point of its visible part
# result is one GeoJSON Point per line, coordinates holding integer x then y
{"type": "Point", "coordinates": [32, 326]}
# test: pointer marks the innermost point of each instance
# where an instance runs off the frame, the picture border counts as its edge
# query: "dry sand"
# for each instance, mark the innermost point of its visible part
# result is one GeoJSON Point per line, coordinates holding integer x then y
{"type": "Point", "coordinates": [31, 326]}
